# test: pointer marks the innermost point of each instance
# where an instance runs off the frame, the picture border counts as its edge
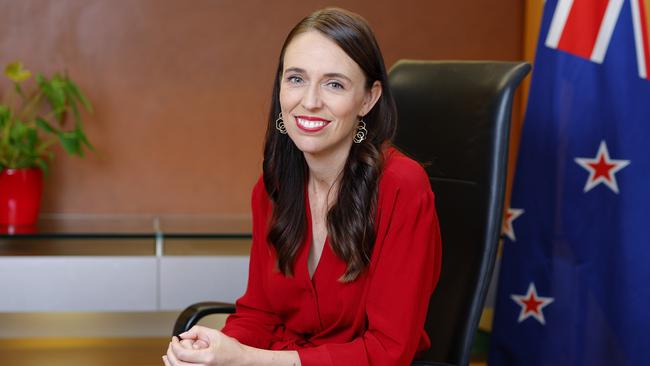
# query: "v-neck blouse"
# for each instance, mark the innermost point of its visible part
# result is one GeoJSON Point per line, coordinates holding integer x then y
{"type": "Point", "coordinates": [377, 319]}
{"type": "Point", "coordinates": [310, 235]}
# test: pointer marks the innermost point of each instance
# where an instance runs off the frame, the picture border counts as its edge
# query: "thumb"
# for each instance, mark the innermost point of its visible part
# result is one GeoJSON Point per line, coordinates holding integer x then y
{"type": "Point", "coordinates": [192, 333]}
{"type": "Point", "coordinates": [188, 335]}
{"type": "Point", "coordinates": [199, 344]}
{"type": "Point", "coordinates": [200, 333]}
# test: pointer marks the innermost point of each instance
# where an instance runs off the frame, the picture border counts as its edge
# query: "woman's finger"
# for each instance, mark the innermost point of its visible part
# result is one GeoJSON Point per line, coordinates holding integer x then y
{"type": "Point", "coordinates": [164, 358]}
{"type": "Point", "coordinates": [188, 355]}
{"type": "Point", "coordinates": [187, 343]}
{"type": "Point", "coordinates": [173, 359]}
{"type": "Point", "coordinates": [199, 344]}
{"type": "Point", "coordinates": [192, 332]}
{"type": "Point", "coordinates": [196, 328]}
{"type": "Point", "coordinates": [188, 335]}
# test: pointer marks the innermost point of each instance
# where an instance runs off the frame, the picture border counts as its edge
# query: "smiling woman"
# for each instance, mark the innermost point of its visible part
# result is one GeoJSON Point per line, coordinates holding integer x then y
{"type": "Point", "coordinates": [345, 233]}
{"type": "Point", "coordinates": [323, 100]}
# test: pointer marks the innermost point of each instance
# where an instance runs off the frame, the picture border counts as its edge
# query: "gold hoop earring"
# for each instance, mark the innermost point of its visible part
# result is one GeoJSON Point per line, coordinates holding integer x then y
{"type": "Point", "coordinates": [279, 124]}
{"type": "Point", "coordinates": [361, 132]}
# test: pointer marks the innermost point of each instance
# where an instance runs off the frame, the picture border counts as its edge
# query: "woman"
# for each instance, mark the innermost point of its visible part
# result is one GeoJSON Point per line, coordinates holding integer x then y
{"type": "Point", "coordinates": [346, 248]}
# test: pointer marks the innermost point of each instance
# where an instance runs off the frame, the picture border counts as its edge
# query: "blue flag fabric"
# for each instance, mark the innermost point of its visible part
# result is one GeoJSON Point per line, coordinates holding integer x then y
{"type": "Point", "coordinates": [574, 283]}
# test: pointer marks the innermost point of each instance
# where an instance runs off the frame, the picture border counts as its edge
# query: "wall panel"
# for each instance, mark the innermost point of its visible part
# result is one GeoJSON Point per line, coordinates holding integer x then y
{"type": "Point", "coordinates": [181, 88]}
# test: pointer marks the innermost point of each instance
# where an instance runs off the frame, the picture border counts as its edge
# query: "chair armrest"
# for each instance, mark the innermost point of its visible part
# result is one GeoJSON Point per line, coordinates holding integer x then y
{"type": "Point", "coordinates": [193, 313]}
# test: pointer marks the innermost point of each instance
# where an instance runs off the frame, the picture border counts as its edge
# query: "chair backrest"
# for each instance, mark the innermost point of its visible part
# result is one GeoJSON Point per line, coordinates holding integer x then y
{"type": "Point", "coordinates": [454, 116]}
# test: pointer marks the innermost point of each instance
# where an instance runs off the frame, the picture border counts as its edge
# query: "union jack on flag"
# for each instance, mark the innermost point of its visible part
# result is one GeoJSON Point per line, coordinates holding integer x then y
{"type": "Point", "coordinates": [574, 282]}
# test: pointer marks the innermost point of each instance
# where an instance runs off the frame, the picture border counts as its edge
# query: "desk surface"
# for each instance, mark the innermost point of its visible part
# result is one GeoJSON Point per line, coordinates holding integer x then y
{"type": "Point", "coordinates": [67, 226]}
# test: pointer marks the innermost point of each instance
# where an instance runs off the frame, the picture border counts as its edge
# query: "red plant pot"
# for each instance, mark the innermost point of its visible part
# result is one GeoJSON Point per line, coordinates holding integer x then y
{"type": "Point", "coordinates": [20, 196]}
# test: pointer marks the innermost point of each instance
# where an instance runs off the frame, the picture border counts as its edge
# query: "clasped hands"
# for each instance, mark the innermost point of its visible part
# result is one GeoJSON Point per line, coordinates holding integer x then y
{"type": "Point", "coordinates": [204, 346]}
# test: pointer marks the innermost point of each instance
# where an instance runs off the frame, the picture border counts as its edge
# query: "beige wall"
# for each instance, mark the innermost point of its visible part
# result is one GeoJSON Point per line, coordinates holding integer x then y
{"type": "Point", "coordinates": [181, 88]}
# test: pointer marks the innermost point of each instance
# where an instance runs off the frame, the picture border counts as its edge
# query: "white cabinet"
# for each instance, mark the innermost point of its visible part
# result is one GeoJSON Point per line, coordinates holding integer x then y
{"type": "Point", "coordinates": [50, 283]}
{"type": "Point", "coordinates": [118, 283]}
{"type": "Point", "coordinates": [185, 280]}
{"type": "Point", "coordinates": [123, 263]}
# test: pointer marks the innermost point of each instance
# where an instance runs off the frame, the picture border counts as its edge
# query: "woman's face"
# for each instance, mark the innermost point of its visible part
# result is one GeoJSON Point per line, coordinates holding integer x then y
{"type": "Point", "coordinates": [322, 95]}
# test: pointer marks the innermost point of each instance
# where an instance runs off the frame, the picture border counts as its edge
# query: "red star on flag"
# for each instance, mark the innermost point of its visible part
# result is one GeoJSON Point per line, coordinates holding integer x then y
{"type": "Point", "coordinates": [511, 215]}
{"type": "Point", "coordinates": [602, 169]}
{"type": "Point", "coordinates": [531, 304]}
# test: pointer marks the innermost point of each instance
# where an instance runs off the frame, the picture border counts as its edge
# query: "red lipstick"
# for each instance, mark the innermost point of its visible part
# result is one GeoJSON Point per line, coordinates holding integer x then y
{"type": "Point", "coordinates": [311, 123]}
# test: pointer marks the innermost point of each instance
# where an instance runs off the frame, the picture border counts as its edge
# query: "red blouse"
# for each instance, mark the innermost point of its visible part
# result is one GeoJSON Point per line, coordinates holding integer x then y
{"type": "Point", "coordinates": [377, 319]}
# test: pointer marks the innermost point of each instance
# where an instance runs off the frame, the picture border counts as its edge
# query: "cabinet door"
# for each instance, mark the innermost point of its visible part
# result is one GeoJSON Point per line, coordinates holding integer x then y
{"type": "Point", "coordinates": [185, 280]}
{"type": "Point", "coordinates": [78, 283]}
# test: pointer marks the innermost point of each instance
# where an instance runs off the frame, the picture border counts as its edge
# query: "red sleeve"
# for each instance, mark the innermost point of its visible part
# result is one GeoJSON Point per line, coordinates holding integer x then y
{"type": "Point", "coordinates": [254, 323]}
{"type": "Point", "coordinates": [402, 279]}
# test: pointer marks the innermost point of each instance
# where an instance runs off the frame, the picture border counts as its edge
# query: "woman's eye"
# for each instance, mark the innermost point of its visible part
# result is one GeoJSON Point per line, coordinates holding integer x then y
{"type": "Point", "coordinates": [294, 79]}
{"type": "Point", "coordinates": [335, 85]}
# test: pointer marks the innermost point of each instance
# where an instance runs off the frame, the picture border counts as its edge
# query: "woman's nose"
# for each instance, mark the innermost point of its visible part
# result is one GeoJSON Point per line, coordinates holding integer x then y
{"type": "Point", "coordinates": [312, 99]}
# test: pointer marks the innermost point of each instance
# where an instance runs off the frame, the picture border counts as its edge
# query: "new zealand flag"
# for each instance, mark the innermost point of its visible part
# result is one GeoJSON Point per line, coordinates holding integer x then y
{"type": "Point", "coordinates": [574, 284]}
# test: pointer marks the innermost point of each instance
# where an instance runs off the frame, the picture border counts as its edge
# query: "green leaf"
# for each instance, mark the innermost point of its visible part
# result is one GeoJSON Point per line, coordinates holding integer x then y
{"type": "Point", "coordinates": [70, 143]}
{"type": "Point", "coordinates": [80, 137]}
{"type": "Point", "coordinates": [16, 73]}
{"type": "Point", "coordinates": [78, 95]}
{"type": "Point", "coordinates": [84, 139]}
{"type": "Point", "coordinates": [45, 126]}
{"type": "Point", "coordinates": [19, 90]}
{"type": "Point", "coordinates": [18, 131]}
{"type": "Point", "coordinates": [5, 115]}
{"type": "Point", "coordinates": [42, 164]}
{"type": "Point", "coordinates": [77, 116]}
{"type": "Point", "coordinates": [4, 136]}
{"type": "Point", "coordinates": [31, 139]}
{"type": "Point", "coordinates": [54, 91]}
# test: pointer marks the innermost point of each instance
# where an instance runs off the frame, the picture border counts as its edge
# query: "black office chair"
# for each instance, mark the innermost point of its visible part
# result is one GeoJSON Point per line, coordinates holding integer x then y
{"type": "Point", "coordinates": [455, 118]}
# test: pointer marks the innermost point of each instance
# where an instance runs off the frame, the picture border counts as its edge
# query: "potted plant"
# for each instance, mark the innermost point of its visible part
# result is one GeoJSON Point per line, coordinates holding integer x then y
{"type": "Point", "coordinates": [33, 119]}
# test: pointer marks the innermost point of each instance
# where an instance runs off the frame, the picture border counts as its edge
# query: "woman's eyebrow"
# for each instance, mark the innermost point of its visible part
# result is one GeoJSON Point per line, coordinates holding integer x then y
{"type": "Point", "coordinates": [337, 75]}
{"type": "Point", "coordinates": [294, 69]}
{"type": "Point", "coordinates": [298, 70]}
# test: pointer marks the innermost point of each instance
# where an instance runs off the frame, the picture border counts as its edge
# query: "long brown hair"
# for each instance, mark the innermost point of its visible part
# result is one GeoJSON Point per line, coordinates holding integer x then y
{"type": "Point", "coordinates": [351, 219]}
